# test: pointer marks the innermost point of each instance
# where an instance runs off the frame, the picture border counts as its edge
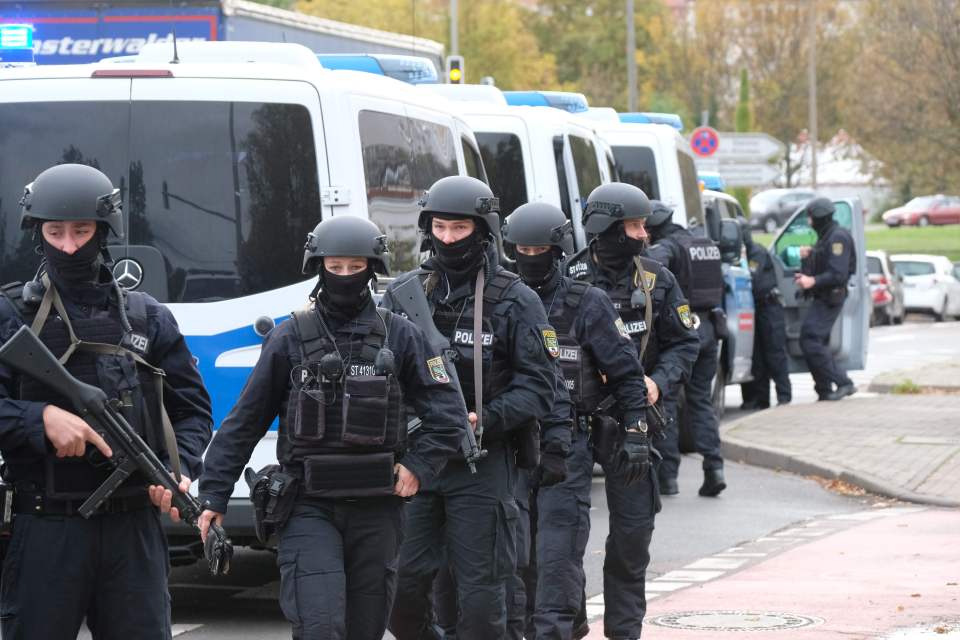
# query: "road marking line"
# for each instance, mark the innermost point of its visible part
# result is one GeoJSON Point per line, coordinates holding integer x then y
{"type": "Point", "coordinates": [597, 599]}
{"type": "Point", "coordinates": [690, 576]}
{"type": "Point", "coordinates": [663, 585]}
{"type": "Point", "coordinates": [179, 629]}
{"type": "Point", "coordinates": [715, 563]}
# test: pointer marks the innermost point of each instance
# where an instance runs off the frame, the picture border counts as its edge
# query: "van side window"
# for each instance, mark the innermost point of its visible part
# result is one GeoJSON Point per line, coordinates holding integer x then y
{"type": "Point", "coordinates": [472, 159]}
{"type": "Point", "coordinates": [637, 166]}
{"type": "Point", "coordinates": [562, 181]}
{"type": "Point", "coordinates": [586, 165]}
{"type": "Point", "coordinates": [691, 190]}
{"type": "Point", "coordinates": [503, 161]}
{"type": "Point", "coordinates": [402, 158]}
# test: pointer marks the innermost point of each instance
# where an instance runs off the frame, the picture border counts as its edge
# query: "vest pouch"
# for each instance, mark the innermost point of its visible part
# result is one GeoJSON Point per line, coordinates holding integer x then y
{"type": "Point", "coordinates": [365, 405]}
{"type": "Point", "coordinates": [119, 379]}
{"type": "Point", "coordinates": [526, 443]}
{"type": "Point", "coordinates": [307, 408]}
{"type": "Point", "coordinates": [273, 493]}
{"type": "Point", "coordinates": [348, 475]}
{"type": "Point", "coordinates": [836, 296]}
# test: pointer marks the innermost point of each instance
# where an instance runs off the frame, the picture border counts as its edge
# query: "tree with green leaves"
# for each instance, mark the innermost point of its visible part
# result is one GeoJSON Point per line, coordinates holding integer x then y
{"type": "Point", "coordinates": [743, 124]}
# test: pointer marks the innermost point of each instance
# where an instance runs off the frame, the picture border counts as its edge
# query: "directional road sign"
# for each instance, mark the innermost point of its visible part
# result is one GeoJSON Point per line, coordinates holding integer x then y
{"type": "Point", "coordinates": [748, 147]}
{"type": "Point", "coordinates": [748, 175]}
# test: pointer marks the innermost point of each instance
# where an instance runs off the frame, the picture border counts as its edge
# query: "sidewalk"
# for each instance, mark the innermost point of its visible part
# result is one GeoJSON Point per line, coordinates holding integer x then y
{"type": "Point", "coordinates": [905, 446]}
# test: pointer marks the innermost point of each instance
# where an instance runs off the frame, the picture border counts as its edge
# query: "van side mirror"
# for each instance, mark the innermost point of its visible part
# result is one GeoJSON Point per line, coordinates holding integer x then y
{"type": "Point", "coordinates": [731, 242]}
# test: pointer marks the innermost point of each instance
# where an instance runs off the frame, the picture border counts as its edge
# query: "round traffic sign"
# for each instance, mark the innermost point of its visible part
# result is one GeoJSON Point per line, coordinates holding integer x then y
{"type": "Point", "coordinates": [704, 141]}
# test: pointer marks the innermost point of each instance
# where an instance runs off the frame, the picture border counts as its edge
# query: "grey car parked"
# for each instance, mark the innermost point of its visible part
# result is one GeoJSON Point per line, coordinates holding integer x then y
{"type": "Point", "coordinates": [886, 289]}
{"type": "Point", "coordinates": [771, 208]}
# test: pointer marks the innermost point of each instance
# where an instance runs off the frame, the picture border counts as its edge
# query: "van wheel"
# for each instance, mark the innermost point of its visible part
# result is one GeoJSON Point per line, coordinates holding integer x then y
{"type": "Point", "coordinates": [924, 221]}
{"type": "Point", "coordinates": [770, 224]}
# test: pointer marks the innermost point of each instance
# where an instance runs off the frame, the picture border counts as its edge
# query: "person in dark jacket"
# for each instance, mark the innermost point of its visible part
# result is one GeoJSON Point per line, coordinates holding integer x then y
{"type": "Point", "coordinates": [695, 261]}
{"type": "Point", "coordinates": [597, 360]}
{"type": "Point", "coordinates": [770, 336]}
{"type": "Point", "coordinates": [825, 271]}
{"type": "Point", "coordinates": [111, 568]}
{"type": "Point", "coordinates": [657, 317]}
{"type": "Point", "coordinates": [339, 374]}
{"type": "Point", "coordinates": [469, 520]}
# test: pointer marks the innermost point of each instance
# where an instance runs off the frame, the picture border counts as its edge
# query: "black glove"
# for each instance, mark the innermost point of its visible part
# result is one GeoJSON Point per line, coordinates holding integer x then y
{"type": "Point", "coordinates": [633, 461]}
{"type": "Point", "coordinates": [553, 465]}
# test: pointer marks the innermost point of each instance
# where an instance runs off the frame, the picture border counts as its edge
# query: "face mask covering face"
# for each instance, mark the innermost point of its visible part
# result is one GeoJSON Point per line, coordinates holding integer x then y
{"type": "Point", "coordinates": [345, 295]}
{"type": "Point", "coordinates": [536, 270]}
{"type": "Point", "coordinates": [460, 258]}
{"type": "Point", "coordinates": [77, 268]}
{"type": "Point", "coordinates": [615, 249]}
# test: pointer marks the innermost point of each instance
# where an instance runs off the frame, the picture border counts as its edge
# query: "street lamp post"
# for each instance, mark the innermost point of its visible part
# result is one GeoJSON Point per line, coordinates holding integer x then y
{"type": "Point", "coordinates": [631, 59]}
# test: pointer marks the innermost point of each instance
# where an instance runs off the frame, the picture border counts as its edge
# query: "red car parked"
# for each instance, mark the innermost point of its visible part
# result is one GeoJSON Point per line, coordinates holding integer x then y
{"type": "Point", "coordinates": [925, 210]}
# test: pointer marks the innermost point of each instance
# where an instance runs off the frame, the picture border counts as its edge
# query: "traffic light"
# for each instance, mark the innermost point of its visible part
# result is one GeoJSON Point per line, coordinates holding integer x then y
{"type": "Point", "coordinates": [455, 69]}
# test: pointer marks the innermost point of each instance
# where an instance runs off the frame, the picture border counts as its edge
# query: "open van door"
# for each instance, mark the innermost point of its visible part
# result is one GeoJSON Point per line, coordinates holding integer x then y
{"type": "Point", "coordinates": [848, 339]}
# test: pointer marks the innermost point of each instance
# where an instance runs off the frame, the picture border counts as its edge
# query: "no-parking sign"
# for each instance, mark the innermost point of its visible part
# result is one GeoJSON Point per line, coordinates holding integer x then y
{"type": "Point", "coordinates": [704, 141]}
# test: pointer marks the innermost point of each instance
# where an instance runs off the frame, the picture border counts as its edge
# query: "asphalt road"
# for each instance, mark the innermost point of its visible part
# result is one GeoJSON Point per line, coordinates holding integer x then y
{"type": "Point", "coordinates": [757, 503]}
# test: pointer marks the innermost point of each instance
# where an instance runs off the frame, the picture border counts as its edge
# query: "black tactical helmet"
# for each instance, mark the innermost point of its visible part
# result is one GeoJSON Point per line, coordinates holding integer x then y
{"type": "Point", "coordinates": [538, 224]}
{"type": "Point", "coordinates": [820, 208]}
{"type": "Point", "coordinates": [610, 203]}
{"type": "Point", "coordinates": [660, 213]}
{"type": "Point", "coordinates": [71, 192]}
{"type": "Point", "coordinates": [346, 236]}
{"type": "Point", "coordinates": [460, 196]}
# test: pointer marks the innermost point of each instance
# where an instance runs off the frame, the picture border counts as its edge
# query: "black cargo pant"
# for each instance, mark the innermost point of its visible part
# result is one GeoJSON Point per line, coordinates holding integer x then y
{"type": "Point", "coordinates": [770, 356]}
{"type": "Point", "coordinates": [469, 521]}
{"type": "Point", "coordinates": [561, 533]}
{"type": "Point", "coordinates": [111, 569]}
{"type": "Point", "coordinates": [815, 344]}
{"type": "Point", "coordinates": [704, 425]}
{"type": "Point", "coordinates": [338, 566]}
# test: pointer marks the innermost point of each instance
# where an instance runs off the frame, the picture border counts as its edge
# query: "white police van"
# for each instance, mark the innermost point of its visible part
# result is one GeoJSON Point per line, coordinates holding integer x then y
{"type": "Point", "coordinates": [224, 167]}
{"type": "Point", "coordinates": [534, 153]}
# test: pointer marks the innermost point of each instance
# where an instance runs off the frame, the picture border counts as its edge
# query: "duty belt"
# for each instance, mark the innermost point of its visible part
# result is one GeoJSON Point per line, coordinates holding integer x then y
{"type": "Point", "coordinates": [38, 504]}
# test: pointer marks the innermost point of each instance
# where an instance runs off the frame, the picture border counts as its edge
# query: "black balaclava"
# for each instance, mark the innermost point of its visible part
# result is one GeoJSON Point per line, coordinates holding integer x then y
{"type": "Point", "coordinates": [537, 270]}
{"type": "Point", "coordinates": [821, 225]}
{"type": "Point", "coordinates": [344, 296]}
{"type": "Point", "coordinates": [462, 258]}
{"type": "Point", "coordinates": [82, 267]}
{"type": "Point", "coordinates": [615, 249]}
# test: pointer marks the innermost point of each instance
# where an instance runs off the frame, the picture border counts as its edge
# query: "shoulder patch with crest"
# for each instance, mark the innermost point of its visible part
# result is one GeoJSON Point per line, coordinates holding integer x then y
{"type": "Point", "coordinates": [550, 341]}
{"type": "Point", "coordinates": [437, 370]}
{"type": "Point", "coordinates": [650, 278]}
{"type": "Point", "coordinates": [684, 312]}
{"type": "Point", "coordinates": [838, 248]}
{"type": "Point", "coordinates": [753, 264]}
{"type": "Point", "coordinates": [618, 323]}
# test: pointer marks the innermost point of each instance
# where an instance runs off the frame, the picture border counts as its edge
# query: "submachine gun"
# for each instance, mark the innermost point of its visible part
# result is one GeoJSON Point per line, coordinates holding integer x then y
{"type": "Point", "coordinates": [412, 300]}
{"type": "Point", "coordinates": [28, 355]}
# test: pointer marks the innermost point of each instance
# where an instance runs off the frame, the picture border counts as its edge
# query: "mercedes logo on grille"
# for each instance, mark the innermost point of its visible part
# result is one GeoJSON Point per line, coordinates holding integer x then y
{"type": "Point", "coordinates": [129, 273]}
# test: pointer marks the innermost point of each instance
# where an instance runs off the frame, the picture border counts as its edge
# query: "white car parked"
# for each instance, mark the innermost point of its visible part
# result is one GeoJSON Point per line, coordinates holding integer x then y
{"type": "Point", "coordinates": [929, 285]}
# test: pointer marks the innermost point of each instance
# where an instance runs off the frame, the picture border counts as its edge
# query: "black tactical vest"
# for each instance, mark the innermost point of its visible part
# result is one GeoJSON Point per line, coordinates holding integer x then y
{"type": "Point", "coordinates": [457, 326]}
{"type": "Point", "coordinates": [118, 375]}
{"type": "Point", "coordinates": [359, 412]}
{"type": "Point", "coordinates": [701, 279]}
{"type": "Point", "coordinates": [580, 372]}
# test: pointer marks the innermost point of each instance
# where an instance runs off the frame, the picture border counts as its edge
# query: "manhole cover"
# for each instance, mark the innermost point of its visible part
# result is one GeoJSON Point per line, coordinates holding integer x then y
{"type": "Point", "coordinates": [734, 621]}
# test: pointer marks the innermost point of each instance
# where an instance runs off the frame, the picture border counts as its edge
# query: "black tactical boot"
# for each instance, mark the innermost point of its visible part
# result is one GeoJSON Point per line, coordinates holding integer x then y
{"type": "Point", "coordinates": [842, 391]}
{"type": "Point", "coordinates": [713, 483]}
{"type": "Point", "coordinates": [669, 486]}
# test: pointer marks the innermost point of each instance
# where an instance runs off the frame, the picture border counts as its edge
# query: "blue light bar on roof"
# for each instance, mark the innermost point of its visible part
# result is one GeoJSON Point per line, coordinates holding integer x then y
{"type": "Point", "coordinates": [712, 180]}
{"type": "Point", "coordinates": [411, 69]}
{"type": "Point", "coordinates": [649, 117]}
{"type": "Point", "coordinates": [566, 100]}
{"type": "Point", "coordinates": [16, 43]}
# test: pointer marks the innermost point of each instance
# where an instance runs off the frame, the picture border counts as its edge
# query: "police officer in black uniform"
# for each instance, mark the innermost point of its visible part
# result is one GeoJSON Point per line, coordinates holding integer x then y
{"type": "Point", "coordinates": [695, 261]}
{"type": "Point", "coordinates": [825, 270]}
{"type": "Point", "coordinates": [338, 374]}
{"type": "Point", "coordinates": [460, 517]}
{"type": "Point", "coordinates": [658, 319]}
{"type": "Point", "coordinates": [597, 358]}
{"type": "Point", "coordinates": [111, 568]}
{"type": "Point", "coordinates": [770, 336]}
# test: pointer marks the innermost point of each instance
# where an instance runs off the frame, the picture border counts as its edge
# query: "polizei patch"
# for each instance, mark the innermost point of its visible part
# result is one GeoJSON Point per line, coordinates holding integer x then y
{"type": "Point", "coordinates": [465, 337]}
{"type": "Point", "coordinates": [437, 370]}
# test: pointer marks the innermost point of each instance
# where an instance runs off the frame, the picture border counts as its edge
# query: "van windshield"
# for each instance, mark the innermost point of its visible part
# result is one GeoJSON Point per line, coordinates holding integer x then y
{"type": "Point", "coordinates": [503, 159]}
{"type": "Point", "coordinates": [637, 166]}
{"type": "Point", "coordinates": [218, 196]}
